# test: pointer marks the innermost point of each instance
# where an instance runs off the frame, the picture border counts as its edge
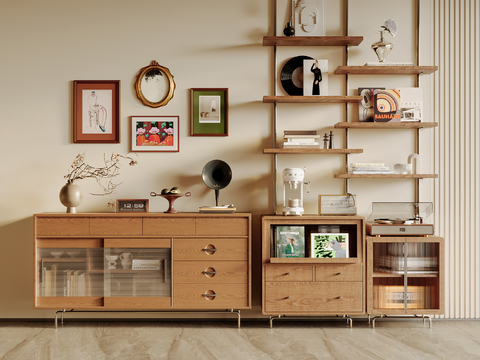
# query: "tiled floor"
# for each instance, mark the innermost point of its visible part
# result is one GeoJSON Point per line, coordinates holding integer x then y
{"type": "Point", "coordinates": [255, 340]}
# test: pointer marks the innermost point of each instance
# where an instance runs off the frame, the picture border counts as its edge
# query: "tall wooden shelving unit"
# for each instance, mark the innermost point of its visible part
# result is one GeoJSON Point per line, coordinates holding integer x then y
{"type": "Point", "coordinates": [278, 277]}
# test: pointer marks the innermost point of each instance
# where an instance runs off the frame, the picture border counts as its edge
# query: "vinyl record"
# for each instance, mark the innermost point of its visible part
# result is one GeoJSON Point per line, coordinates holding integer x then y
{"type": "Point", "coordinates": [291, 76]}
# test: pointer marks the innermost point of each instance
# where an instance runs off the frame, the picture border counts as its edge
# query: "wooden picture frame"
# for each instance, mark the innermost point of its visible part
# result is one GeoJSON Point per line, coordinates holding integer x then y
{"type": "Point", "coordinates": [96, 111]}
{"type": "Point", "coordinates": [209, 112]}
{"type": "Point", "coordinates": [154, 134]}
{"type": "Point", "coordinates": [155, 86]}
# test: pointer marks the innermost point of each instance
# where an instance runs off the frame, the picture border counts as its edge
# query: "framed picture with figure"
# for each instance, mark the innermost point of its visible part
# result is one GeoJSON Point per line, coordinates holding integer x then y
{"type": "Point", "coordinates": [155, 134]}
{"type": "Point", "coordinates": [96, 111]}
{"type": "Point", "coordinates": [209, 112]}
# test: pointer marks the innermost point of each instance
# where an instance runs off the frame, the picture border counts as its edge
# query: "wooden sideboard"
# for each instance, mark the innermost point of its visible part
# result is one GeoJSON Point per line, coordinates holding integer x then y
{"type": "Point", "coordinates": [156, 261]}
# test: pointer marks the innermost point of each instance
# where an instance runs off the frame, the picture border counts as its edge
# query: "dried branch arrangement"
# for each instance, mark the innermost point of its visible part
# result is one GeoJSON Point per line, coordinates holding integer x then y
{"type": "Point", "coordinates": [103, 175]}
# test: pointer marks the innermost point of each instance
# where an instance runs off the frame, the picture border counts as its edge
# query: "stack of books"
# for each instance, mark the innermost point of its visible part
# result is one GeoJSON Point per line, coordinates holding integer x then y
{"type": "Point", "coordinates": [370, 168]}
{"type": "Point", "coordinates": [300, 139]}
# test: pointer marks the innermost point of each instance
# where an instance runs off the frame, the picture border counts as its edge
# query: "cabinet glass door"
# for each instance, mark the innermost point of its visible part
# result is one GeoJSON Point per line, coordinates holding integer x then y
{"type": "Point", "coordinates": [388, 276]}
{"type": "Point", "coordinates": [406, 276]}
{"type": "Point", "coordinates": [64, 272]}
{"type": "Point", "coordinates": [137, 272]}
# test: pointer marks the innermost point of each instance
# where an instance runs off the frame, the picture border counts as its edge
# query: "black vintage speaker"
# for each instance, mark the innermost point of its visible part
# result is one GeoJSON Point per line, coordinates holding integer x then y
{"type": "Point", "coordinates": [216, 175]}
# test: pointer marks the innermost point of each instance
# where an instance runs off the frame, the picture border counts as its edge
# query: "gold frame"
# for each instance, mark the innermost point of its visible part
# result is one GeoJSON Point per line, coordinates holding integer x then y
{"type": "Point", "coordinates": [164, 71]}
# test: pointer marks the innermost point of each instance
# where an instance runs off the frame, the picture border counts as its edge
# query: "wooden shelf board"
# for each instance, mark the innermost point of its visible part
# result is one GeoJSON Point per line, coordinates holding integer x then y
{"type": "Point", "coordinates": [312, 261]}
{"type": "Point", "coordinates": [386, 176]}
{"type": "Point", "coordinates": [312, 99]}
{"type": "Point", "coordinates": [312, 40]}
{"type": "Point", "coordinates": [386, 275]}
{"type": "Point", "coordinates": [385, 70]}
{"type": "Point", "coordinates": [312, 151]}
{"type": "Point", "coordinates": [63, 260]}
{"type": "Point", "coordinates": [384, 125]}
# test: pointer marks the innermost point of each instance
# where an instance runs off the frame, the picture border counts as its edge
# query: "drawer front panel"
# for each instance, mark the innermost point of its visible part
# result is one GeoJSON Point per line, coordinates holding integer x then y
{"type": "Point", "coordinates": [325, 272]}
{"type": "Point", "coordinates": [222, 296]}
{"type": "Point", "coordinates": [171, 226]}
{"type": "Point", "coordinates": [62, 226]}
{"type": "Point", "coordinates": [120, 226]}
{"type": "Point", "coordinates": [210, 272]}
{"type": "Point", "coordinates": [210, 249]}
{"type": "Point", "coordinates": [218, 226]}
{"type": "Point", "coordinates": [289, 272]}
{"type": "Point", "coordinates": [314, 297]}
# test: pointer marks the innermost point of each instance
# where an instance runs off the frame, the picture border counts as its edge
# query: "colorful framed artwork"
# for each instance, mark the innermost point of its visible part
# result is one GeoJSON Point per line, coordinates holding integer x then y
{"type": "Point", "coordinates": [155, 134]}
{"type": "Point", "coordinates": [209, 112]}
{"type": "Point", "coordinates": [96, 111]}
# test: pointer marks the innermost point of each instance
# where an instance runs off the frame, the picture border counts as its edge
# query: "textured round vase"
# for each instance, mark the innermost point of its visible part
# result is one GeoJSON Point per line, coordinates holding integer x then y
{"type": "Point", "coordinates": [382, 48]}
{"type": "Point", "coordinates": [71, 195]}
{"type": "Point", "coordinates": [289, 30]}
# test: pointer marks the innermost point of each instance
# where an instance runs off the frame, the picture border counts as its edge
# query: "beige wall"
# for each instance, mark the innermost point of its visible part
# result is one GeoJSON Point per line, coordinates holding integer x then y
{"type": "Point", "coordinates": [212, 43]}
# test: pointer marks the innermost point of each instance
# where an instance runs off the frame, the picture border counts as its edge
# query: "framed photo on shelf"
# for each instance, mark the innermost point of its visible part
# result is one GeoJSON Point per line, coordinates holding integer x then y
{"type": "Point", "coordinates": [154, 134]}
{"type": "Point", "coordinates": [96, 111]}
{"type": "Point", "coordinates": [209, 112]}
{"type": "Point", "coordinates": [290, 241]}
{"type": "Point", "coordinates": [329, 245]}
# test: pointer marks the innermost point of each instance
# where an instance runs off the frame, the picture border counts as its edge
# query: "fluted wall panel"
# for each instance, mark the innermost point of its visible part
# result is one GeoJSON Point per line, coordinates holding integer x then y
{"type": "Point", "coordinates": [457, 151]}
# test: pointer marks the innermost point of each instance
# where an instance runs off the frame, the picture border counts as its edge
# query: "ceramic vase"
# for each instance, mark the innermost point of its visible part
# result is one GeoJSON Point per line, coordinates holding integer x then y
{"type": "Point", "coordinates": [71, 195]}
{"type": "Point", "coordinates": [289, 30]}
{"type": "Point", "coordinates": [382, 48]}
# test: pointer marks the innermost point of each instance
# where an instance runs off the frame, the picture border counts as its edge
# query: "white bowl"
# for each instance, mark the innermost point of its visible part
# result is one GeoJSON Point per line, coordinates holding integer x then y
{"type": "Point", "coordinates": [73, 253]}
{"type": "Point", "coordinates": [402, 168]}
{"type": "Point", "coordinates": [56, 254]}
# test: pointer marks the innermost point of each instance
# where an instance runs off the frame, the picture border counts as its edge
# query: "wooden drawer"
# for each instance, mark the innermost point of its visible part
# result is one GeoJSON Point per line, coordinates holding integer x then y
{"type": "Point", "coordinates": [210, 272]}
{"type": "Point", "coordinates": [210, 249]}
{"type": "Point", "coordinates": [46, 226]}
{"type": "Point", "coordinates": [222, 226]}
{"type": "Point", "coordinates": [314, 297]}
{"type": "Point", "coordinates": [228, 296]}
{"type": "Point", "coordinates": [119, 226]}
{"type": "Point", "coordinates": [326, 272]}
{"type": "Point", "coordinates": [289, 272]}
{"type": "Point", "coordinates": [171, 226]}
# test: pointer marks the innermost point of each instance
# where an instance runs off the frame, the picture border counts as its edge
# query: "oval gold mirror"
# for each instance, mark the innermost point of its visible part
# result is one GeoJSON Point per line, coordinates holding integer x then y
{"type": "Point", "coordinates": [154, 85]}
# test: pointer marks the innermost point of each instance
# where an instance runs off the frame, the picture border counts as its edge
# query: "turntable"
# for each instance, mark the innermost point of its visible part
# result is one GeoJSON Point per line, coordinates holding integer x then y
{"type": "Point", "coordinates": [400, 219]}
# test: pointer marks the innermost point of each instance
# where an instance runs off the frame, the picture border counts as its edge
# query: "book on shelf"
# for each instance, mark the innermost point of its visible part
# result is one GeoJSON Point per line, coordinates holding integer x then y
{"type": "Point", "coordinates": [290, 241]}
{"type": "Point", "coordinates": [54, 280]}
{"type": "Point", "coordinates": [366, 172]}
{"type": "Point", "coordinates": [224, 209]}
{"type": "Point", "coordinates": [411, 104]}
{"type": "Point", "coordinates": [299, 132]}
{"type": "Point", "coordinates": [386, 106]}
{"type": "Point", "coordinates": [301, 138]}
{"type": "Point", "coordinates": [366, 164]}
{"type": "Point", "coordinates": [48, 282]}
{"type": "Point", "coordinates": [404, 63]}
{"type": "Point", "coordinates": [315, 77]}
{"type": "Point", "coordinates": [393, 297]}
{"type": "Point", "coordinates": [329, 245]}
{"type": "Point", "coordinates": [370, 168]}
{"type": "Point", "coordinates": [365, 107]}
{"type": "Point", "coordinates": [146, 264]}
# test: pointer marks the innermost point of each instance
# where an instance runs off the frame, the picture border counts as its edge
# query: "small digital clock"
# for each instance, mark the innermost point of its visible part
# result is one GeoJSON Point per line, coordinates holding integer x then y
{"type": "Point", "coordinates": [132, 205]}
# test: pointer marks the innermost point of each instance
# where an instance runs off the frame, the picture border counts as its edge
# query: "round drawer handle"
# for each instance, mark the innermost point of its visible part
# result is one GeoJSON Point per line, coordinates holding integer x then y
{"type": "Point", "coordinates": [287, 273]}
{"type": "Point", "coordinates": [212, 250]}
{"type": "Point", "coordinates": [339, 297]}
{"type": "Point", "coordinates": [287, 298]}
{"type": "Point", "coordinates": [339, 273]}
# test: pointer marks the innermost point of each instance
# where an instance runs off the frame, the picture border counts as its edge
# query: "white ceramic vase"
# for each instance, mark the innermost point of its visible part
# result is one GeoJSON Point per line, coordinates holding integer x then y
{"type": "Point", "coordinates": [71, 195]}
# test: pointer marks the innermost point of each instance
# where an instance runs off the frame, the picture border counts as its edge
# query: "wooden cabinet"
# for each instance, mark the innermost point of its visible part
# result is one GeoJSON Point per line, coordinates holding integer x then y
{"type": "Point", "coordinates": [142, 261]}
{"type": "Point", "coordinates": [410, 268]}
{"type": "Point", "coordinates": [313, 286]}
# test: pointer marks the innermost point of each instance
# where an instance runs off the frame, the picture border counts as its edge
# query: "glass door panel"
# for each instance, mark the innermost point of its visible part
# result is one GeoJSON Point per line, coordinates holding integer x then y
{"type": "Point", "coordinates": [137, 272]}
{"type": "Point", "coordinates": [69, 272]}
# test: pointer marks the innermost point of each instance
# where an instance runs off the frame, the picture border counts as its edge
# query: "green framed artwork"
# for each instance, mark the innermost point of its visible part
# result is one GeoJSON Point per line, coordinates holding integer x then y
{"type": "Point", "coordinates": [209, 112]}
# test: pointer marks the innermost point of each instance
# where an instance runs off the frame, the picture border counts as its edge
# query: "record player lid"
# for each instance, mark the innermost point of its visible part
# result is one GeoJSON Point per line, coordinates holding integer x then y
{"type": "Point", "coordinates": [395, 211]}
